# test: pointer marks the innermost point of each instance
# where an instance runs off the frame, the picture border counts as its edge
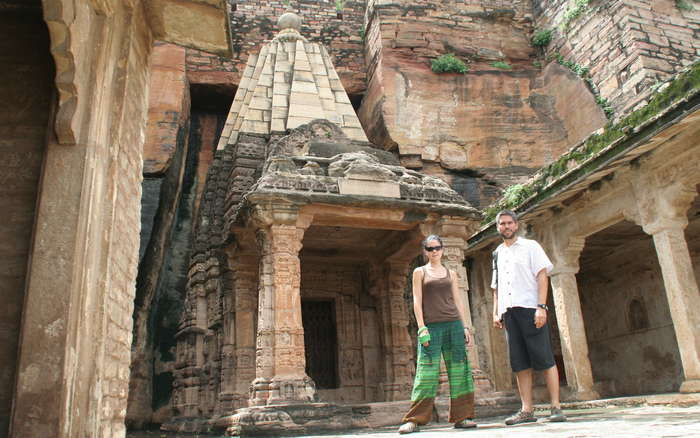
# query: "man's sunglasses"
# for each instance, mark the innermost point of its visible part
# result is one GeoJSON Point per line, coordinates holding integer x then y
{"type": "Point", "coordinates": [432, 248]}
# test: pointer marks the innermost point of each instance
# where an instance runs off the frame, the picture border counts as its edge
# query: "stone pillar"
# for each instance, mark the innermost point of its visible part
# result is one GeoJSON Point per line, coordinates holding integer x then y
{"type": "Point", "coordinates": [399, 355]}
{"type": "Point", "coordinates": [453, 259]}
{"type": "Point", "coordinates": [574, 343]}
{"type": "Point", "coordinates": [280, 361]}
{"type": "Point", "coordinates": [682, 294]}
{"type": "Point", "coordinates": [662, 202]}
{"type": "Point", "coordinates": [238, 367]}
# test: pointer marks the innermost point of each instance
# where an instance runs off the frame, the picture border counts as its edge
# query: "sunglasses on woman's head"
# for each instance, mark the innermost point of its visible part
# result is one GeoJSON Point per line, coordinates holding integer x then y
{"type": "Point", "coordinates": [432, 248]}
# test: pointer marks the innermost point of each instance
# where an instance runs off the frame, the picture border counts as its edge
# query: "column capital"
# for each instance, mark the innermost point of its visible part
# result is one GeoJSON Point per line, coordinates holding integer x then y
{"type": "Point", "coordinates": [564, 269]}
{"type": "Point", "coordinates": [661, 224]}
{"type": "Point", "coordinates": [279, 213]}
{"type": "Point", "coordinates": [662, 207]}
{"type": "Point", "coordinates": [565, 253]}
{"type": "Point", "coordinates": [452, 226]}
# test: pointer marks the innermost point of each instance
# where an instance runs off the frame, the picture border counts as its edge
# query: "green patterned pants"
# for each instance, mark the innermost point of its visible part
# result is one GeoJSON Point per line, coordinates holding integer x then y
{"type": "Point", "coordinates": [446, 340]}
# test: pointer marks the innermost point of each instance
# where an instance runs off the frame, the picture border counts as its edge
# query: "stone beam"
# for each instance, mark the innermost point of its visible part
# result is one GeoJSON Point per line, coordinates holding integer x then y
{"type": "Point", "coordinates": [200, 24]}
{"type": "Point", "coordinates": [359, 217]}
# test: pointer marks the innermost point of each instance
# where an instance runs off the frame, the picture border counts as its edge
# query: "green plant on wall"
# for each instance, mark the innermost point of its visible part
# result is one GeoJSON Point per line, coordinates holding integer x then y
{"type": "Point", "coordinates": [339, 5]}
{"type": "Point", "coordinates": [502, 65]}
{"type": "Point", "coordinates": [542, 38]}
{"type": "Point", "coordinates": [686, 5]}
{"type": "Point", "coordinates": [448, 63]}
{"type": "Point", "coordinates": [574, 10]}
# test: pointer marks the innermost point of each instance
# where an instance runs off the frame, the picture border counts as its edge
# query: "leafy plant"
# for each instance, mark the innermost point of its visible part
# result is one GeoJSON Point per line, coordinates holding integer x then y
{"type": "Point", "coordinates": [339, 5]}
{"type": "Point", "coordinates": [502, 65]}
{"type": "Point", "coordinates": [683, 5]}
{"type": "Point", "coordinates": [448, 63]}
{"type": "Point", "coordinates": [542, 38]}
{"type": "Point", "coordinates": [573, 11]}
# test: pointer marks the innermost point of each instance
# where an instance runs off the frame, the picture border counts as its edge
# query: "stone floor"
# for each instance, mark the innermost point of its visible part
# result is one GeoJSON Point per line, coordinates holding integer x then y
{"type": "Point", "coordinates": [646, 422]}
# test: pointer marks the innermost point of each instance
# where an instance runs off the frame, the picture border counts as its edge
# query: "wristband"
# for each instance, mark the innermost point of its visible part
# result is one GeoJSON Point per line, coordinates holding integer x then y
{"type": "Point", "coordinates": [425, 337]}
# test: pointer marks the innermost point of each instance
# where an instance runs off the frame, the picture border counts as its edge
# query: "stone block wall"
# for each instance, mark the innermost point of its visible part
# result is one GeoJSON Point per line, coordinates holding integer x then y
{"type": "Point", "coordinates": [628, 45]}
{"type": "Point", "coordinates": [255, 21]}
{"type": "Point", "coordinates": [24, 121]}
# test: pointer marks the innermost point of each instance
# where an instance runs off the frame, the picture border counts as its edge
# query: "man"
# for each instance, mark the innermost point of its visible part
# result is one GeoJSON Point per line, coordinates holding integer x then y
{"type": "Point", "coordinates": [520, 286]}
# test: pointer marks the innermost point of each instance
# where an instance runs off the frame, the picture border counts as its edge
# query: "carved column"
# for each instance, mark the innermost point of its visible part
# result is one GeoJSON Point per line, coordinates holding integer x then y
{"type": "Point", "coordinates": [453, 259]}
{"type": "Point", "coordinates": [398, 386]}
{"type": "Point", "coordinates": [239, 328]}
{"type": "Point", "coordinates": [280, 362]}
{"type": "Point", "coordinates": [663, 215]}
{"type": "Point", "coordinates": [572, 332]}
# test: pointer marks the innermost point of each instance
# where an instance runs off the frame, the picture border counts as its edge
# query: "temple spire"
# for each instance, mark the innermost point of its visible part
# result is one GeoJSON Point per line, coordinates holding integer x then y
{"type": "Point", "coordinates": [289, 83]}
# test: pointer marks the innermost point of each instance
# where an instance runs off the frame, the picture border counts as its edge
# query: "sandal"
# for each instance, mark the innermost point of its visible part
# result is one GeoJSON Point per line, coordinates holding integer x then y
{"type": "Point", "coordinates": [408, 427]}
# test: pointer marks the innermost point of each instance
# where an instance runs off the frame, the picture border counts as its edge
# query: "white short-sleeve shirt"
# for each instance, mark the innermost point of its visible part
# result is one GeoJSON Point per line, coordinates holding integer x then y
{"type": "Point", "coordinates": [518, 266]}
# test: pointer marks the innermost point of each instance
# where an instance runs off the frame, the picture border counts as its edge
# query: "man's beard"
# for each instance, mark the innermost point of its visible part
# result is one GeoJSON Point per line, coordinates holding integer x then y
{"type": "Point", "coordinates": [503, 234]}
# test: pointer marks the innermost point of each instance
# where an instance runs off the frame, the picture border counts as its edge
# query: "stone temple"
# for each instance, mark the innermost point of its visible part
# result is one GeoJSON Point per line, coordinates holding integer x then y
{"type": "Point", "coordinates": [212, 207]}
{"type": "Point", "coordinates": [308, 234]}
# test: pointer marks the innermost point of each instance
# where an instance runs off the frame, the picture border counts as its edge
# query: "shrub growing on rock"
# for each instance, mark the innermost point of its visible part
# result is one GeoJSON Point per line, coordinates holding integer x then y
{"type": "Point", "coordinates": [448, 63]}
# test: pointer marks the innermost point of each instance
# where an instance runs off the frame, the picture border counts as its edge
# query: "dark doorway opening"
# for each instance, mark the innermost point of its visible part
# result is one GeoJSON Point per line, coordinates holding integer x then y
{"type": "Point", "coordinates": [321, 342]}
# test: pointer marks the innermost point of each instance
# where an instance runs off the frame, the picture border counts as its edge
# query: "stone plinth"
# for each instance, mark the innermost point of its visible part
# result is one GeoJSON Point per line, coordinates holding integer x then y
{"type": "Point", "coordinates": [292, 419]}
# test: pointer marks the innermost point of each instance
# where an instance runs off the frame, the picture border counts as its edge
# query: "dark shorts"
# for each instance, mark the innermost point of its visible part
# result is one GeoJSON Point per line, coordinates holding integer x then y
{"type": "Point", "coordinates": [529, 346]}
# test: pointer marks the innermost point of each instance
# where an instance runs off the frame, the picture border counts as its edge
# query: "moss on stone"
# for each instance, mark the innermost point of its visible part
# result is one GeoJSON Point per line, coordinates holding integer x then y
{"type": "Point", "coordinates": [515, 196]}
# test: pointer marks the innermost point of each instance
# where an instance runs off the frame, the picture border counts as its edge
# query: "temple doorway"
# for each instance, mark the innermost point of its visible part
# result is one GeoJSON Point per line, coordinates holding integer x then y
{"type": "Point", "coordinates": [321, 342]}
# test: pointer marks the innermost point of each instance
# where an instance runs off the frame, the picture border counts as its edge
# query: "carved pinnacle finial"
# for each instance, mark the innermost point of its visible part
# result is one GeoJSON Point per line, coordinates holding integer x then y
{"type": "Point", "coordinates": [289, 20]}
{"type": "Point", "coordinates": [289, 24]}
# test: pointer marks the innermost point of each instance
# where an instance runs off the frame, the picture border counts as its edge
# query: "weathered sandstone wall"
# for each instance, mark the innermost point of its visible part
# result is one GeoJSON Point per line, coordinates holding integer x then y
{"type": "Point", "coordinates": [180, 139]}
{"type": "Point", "coordinates": [488, 128]}
{"type": "Point", "coordinates": [165, 150]}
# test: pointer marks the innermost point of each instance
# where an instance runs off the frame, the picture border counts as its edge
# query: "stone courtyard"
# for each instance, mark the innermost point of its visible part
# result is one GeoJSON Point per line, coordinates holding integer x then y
{"type": "Point", "coordinates": [654, 417]}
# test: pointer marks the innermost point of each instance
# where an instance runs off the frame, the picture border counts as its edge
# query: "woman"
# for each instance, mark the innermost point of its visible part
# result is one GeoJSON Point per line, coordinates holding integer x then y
{"type": "Point", "coordinates": [443, 330]}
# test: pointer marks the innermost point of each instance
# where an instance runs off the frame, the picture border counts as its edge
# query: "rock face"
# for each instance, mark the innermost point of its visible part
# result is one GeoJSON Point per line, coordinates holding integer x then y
{"type": "Point", "coordinates": [487, 127]}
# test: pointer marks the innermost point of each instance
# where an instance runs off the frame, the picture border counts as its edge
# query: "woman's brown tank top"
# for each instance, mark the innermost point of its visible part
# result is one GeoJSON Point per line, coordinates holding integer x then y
{"type": "Point", "coordinates": [438, 302]}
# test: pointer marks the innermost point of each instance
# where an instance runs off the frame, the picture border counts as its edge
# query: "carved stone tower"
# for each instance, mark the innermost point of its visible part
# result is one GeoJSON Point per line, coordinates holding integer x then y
{"type": "Point", "coordinates": [295, 305]}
